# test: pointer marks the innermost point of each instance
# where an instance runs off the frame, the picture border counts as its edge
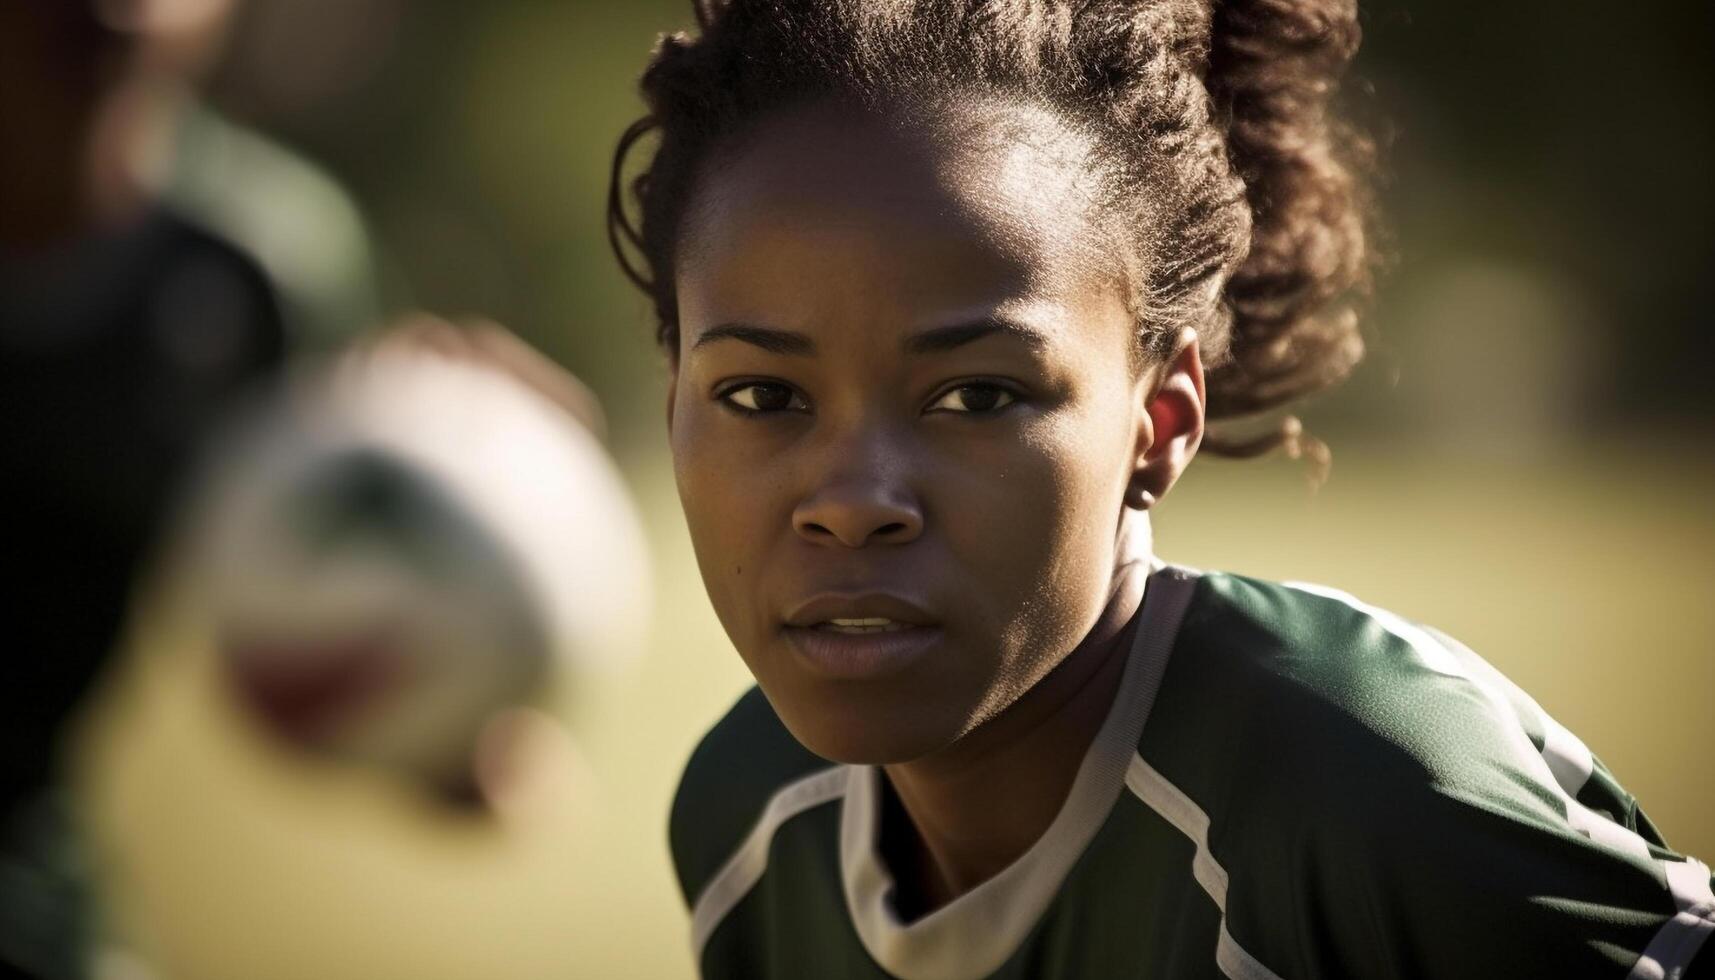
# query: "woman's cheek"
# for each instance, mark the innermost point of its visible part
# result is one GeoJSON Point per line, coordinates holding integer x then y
{"type": "Point", "coordinates": [719, 509]}
{"type": "Point", "coordinates": [1072, 482]}
{"type": "Point", "coordinates": [1004, 510]}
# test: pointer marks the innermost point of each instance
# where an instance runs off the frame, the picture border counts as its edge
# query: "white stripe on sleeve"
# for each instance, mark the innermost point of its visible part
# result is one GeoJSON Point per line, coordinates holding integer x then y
{"type": "Point", "coordinates": [1189, 819]}
{"type": "Point", "coordinates": [1680, 937]}
{"type": "Point", "coordinates": [744, 869]}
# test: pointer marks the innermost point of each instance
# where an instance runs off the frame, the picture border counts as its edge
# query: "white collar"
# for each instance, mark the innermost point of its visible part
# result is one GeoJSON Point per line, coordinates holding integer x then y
{"type": "Point", "coordinates": [973, 935]}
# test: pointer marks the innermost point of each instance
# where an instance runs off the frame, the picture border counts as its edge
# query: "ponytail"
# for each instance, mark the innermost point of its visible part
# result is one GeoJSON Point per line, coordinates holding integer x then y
{"type": "Point", "coordinates": [1274, 66]}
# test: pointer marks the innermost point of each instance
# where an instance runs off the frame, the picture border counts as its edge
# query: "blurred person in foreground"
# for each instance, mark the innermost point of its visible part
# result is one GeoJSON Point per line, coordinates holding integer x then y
{"type": "Point", "coordinates": [948, 291]}
{"type": "Point", "coordinates": [390, 567]}
{"type": "Point", "coordinates": [149, 270]}
{"type": "Point", "coordinates": [391, 585]}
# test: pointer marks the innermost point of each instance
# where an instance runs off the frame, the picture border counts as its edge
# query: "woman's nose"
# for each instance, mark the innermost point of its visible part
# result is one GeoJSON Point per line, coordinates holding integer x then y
{"type": "Point", "coordinates": [858, 508]}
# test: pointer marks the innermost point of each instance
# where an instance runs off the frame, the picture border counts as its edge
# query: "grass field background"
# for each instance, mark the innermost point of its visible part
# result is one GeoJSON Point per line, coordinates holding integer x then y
{"type": "Point", "coordinates": [1586, 577]}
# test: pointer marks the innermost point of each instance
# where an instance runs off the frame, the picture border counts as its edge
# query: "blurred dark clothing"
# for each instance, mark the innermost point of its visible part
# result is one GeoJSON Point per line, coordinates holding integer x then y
{"type": "Point", "coordinates": [117, 356]}
{"type": "Point", "coordinates": [304, 231]}
{"type": "Point", "coordinates": [45, 909]}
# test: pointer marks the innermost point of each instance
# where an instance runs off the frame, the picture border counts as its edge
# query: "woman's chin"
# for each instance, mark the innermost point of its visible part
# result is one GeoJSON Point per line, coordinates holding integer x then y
{"type": "Point", "coordinates": [850, 733]}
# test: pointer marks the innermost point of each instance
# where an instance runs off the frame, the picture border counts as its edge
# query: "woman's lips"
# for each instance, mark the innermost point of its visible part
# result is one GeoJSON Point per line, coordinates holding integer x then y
{"type": "Point", "coordinates": [861, 654]}
{"type": "Point", "coordinates": [860, 635]}
{"type": "Point", "coordinates": [826, 607]}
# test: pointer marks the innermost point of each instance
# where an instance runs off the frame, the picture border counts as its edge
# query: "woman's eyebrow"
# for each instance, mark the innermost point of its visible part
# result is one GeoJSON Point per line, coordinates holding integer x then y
{"type": "Point", "coordinates": [939, 339]}
{"type": "Point", "coordinates": [769, 339]}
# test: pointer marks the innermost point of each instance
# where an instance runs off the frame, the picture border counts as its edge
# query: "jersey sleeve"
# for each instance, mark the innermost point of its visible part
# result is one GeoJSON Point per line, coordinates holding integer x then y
{"type": "Point", "coordinates": [1388, 805]}
{"type": "Point", "coordinates": [731, 775]}
{"type": "Point", "coordinates": [1512, 852]}
{"type": "Point", "coordinates": [1457, 887]}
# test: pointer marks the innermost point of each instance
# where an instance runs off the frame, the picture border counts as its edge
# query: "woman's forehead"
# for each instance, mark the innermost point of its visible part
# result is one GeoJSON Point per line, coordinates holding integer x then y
{"type": "Point", "coordinates": [915, 214]}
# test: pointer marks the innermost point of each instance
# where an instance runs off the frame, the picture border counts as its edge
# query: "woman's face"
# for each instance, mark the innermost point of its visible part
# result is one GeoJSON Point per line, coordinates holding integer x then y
{"type": "Point", "coordinates": [903, 419]}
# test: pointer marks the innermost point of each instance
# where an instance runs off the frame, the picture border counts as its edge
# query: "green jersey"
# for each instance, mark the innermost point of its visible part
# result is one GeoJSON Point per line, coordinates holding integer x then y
{"type": "Point", "coordinates": [1290, 783]}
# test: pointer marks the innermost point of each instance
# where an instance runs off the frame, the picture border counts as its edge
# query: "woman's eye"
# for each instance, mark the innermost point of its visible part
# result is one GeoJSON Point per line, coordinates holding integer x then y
{"type": "Point", "coordinates": [763, 397]}
{"type": "Point", "coordinates": [974, 398]}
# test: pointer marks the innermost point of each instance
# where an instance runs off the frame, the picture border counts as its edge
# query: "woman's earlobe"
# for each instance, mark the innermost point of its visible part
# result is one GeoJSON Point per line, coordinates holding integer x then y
{"type": "Point", "coordinates": [1137, 496]}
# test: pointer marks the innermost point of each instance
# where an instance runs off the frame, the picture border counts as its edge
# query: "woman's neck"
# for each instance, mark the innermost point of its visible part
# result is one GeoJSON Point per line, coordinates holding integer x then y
{"type": "Point", "coordinates": [953, 820]}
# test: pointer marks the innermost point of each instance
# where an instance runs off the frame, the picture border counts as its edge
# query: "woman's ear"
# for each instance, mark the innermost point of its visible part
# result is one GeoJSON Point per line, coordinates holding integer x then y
{"type": "Point", "coordinates": [1169, 422]}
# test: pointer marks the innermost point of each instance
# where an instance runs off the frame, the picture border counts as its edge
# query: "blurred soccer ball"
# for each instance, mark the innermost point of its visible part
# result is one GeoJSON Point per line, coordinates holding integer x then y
{"type": "Point", "coordinates": [402, 547]}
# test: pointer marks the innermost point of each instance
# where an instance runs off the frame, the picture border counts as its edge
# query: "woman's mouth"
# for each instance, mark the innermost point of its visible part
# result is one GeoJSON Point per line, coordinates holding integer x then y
{"type": "Point", "coordinates": [860, 636]}
{"type": "Point", "coordinates": [858, 627]}
{"type": "Point", "coordinates": [867, 648]}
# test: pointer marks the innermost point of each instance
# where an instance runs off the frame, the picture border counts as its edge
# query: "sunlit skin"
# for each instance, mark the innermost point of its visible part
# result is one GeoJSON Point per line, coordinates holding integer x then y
{"type": "Point", "coordinates": [904, 385]}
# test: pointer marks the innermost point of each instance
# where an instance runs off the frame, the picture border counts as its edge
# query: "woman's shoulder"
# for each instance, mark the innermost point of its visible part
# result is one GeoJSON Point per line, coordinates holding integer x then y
{"type": "Point", "coordinates": [747, 765]}
{"type": "Point", "coordinates": [1326, 691]}
{"type": "Point", "coordinates": [1295, 663]}
{"type": "Point", "coordinates": [1398, 795]}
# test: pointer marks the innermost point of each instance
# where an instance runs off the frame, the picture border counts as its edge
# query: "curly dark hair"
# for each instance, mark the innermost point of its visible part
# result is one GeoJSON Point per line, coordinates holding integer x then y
{"type": "Point", "coordinates": [1222, 162]}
